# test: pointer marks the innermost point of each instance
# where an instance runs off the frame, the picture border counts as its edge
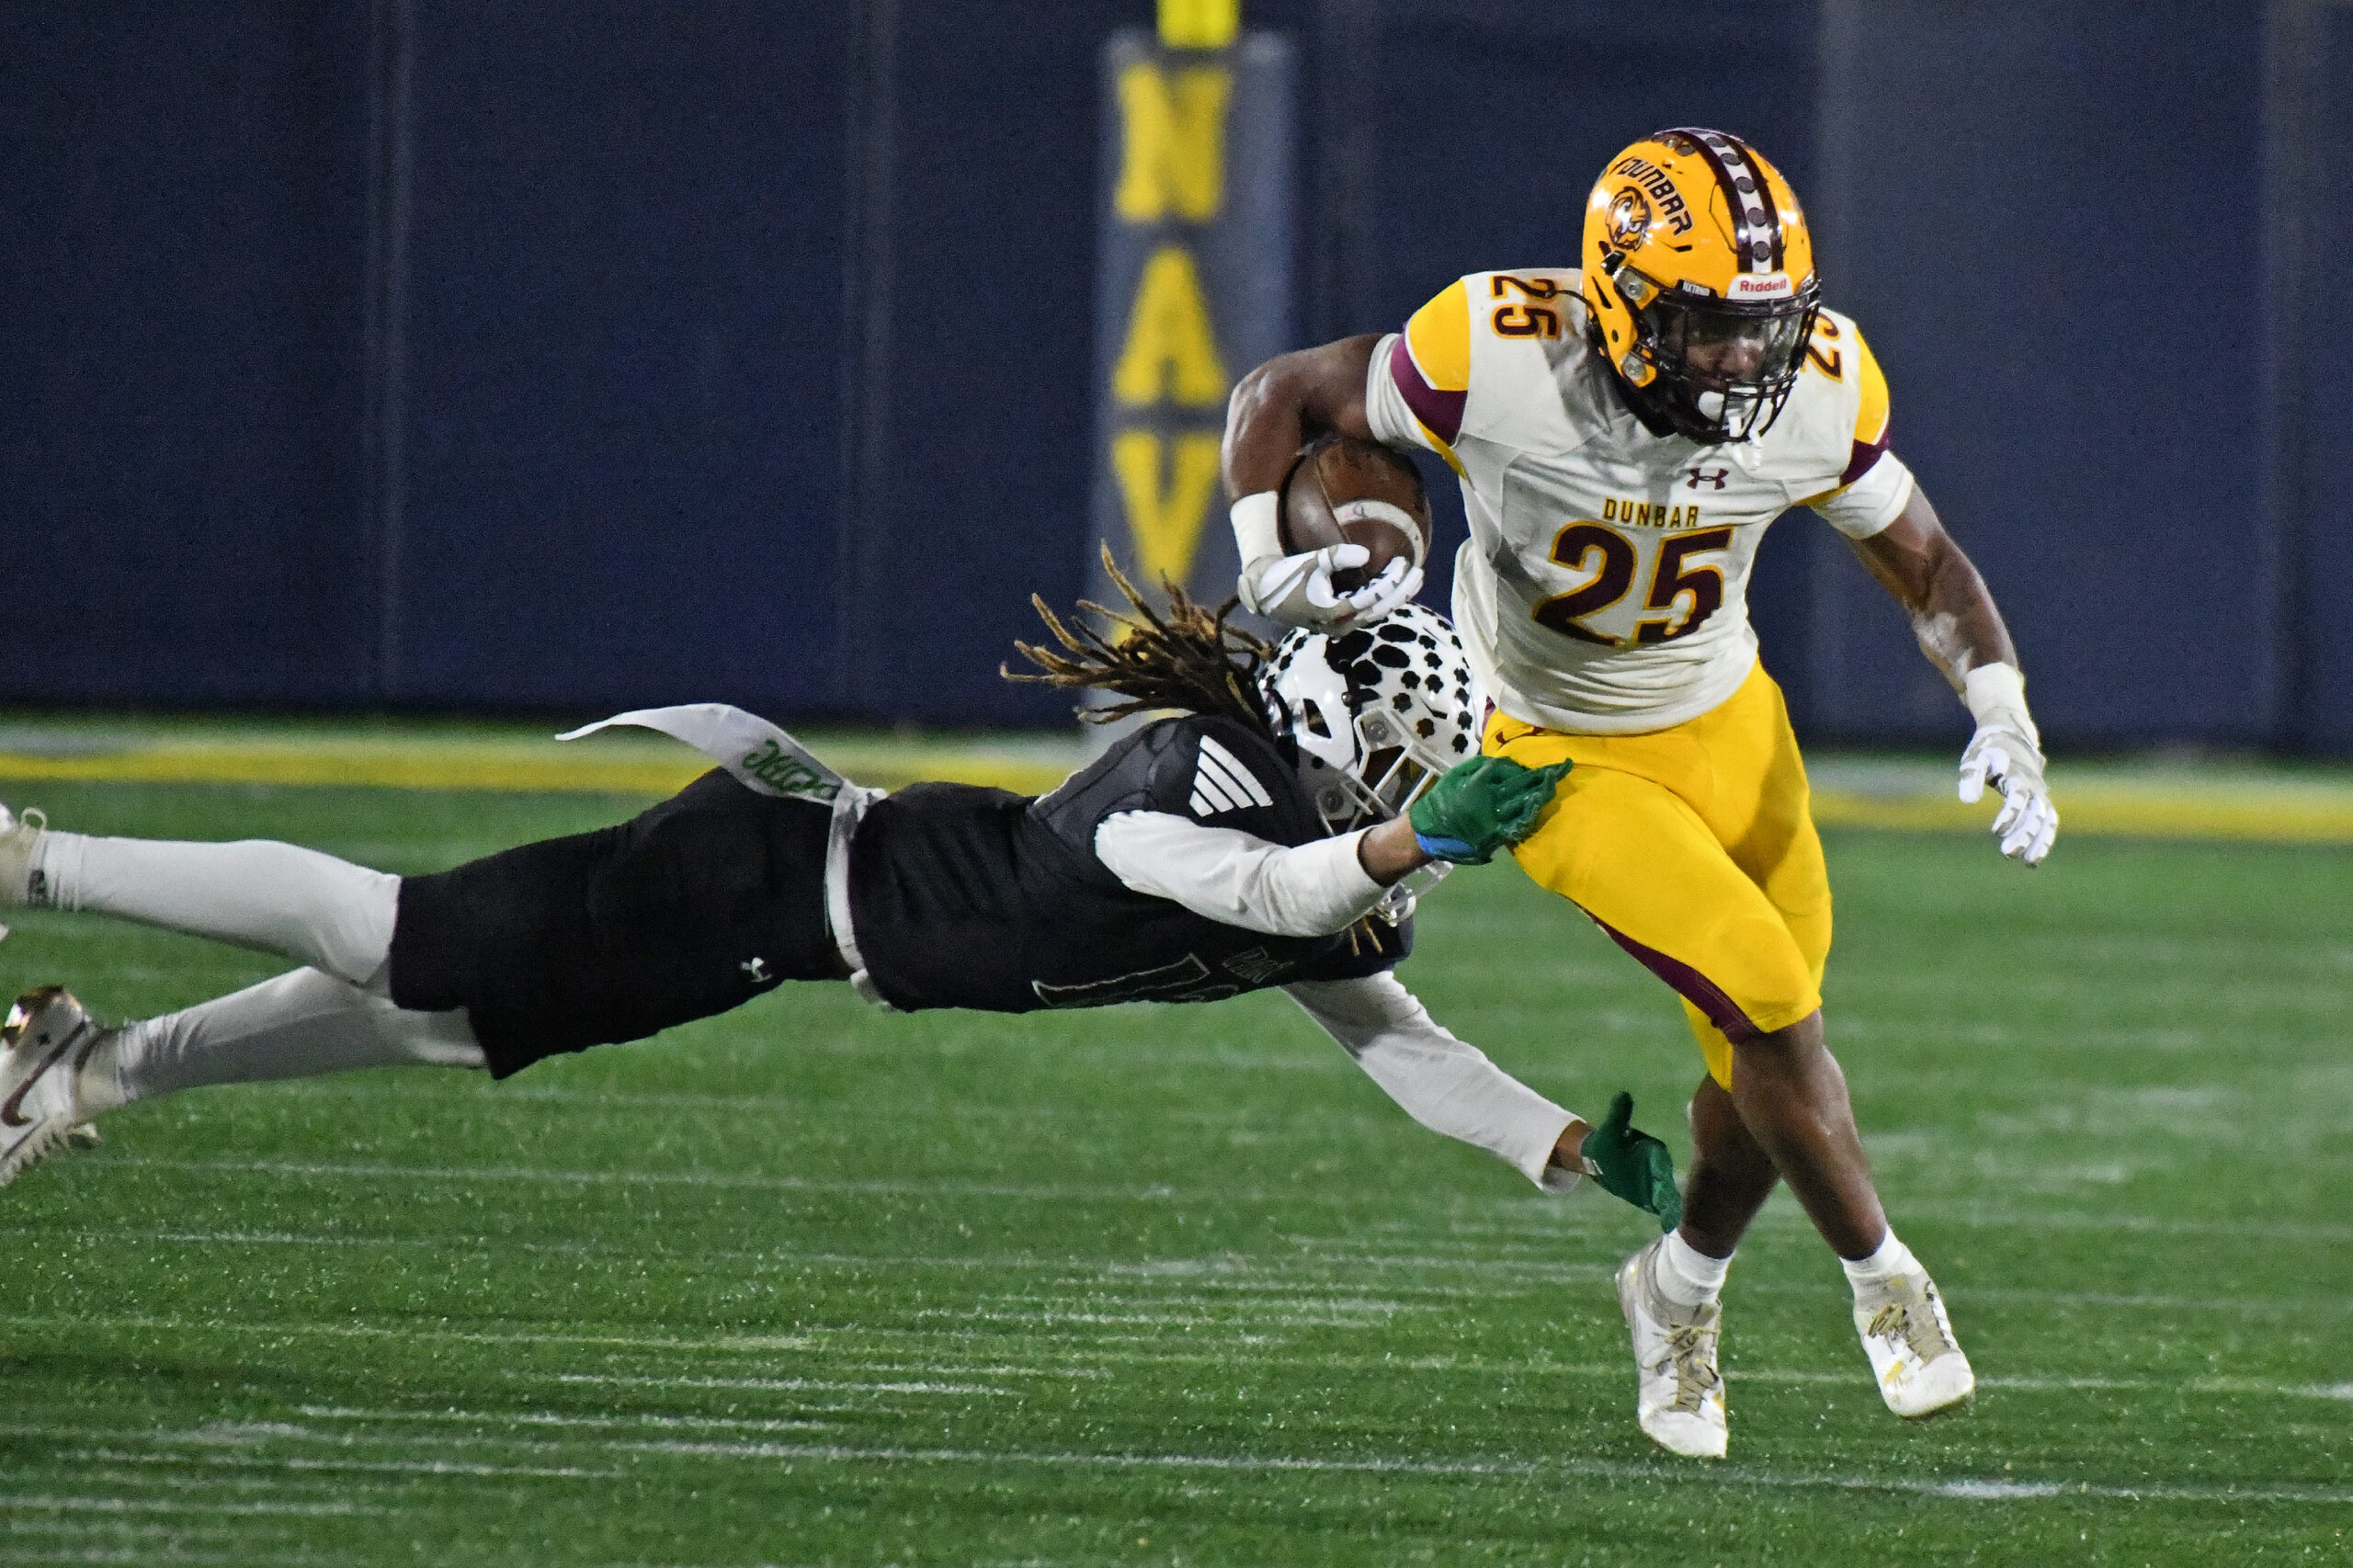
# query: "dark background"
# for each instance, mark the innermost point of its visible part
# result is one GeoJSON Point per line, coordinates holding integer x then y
{"type": "Point", "coordinates": [417, 355]}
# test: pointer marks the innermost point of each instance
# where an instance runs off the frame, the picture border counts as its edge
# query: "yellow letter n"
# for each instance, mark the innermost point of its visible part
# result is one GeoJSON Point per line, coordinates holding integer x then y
{"type": "Point", "coordinates": [1166, 519]}
{"type": "Point", "coordinates": [1173, 143]}
{"type": "Point", "coordinates": [1171, 351]}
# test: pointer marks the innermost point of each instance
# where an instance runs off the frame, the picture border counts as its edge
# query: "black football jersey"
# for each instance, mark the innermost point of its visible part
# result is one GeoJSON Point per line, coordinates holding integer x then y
{"type": "Point", "coordinates": [970, 897]}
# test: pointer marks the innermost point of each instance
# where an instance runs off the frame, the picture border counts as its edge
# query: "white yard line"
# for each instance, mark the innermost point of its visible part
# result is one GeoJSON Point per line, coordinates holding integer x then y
{"type": "Point", "coordinates": [1729, 1476]}
{"type": "Point", "coordinates": [50, 1503]}
{"type": "Point", "coordinates": [1977, 1216]}
{"type": "Point", "coordinates": [732, 1345]}
{"type": "Point", "coordinates": [1973, 1489]}
{"type": "Point", "coordinates": [1538, 1219]}
{"type": "Point", "coordinates": [1274, 1275]}
{"type": "Point", "coordinates": [545, 1176]}
{"type": "Point", "coordinates": [365, 1467]}
{"type": "Point", "coordinates": [1059, 1371]}
{"type": "Point", "coordinates": [234, 1555]}
{"type": "Point", "coordinates": [824, 1343]}
{"type": "Point", "coordinates": [634, 1104]}
{"type": "Point", "coordinates": [781, 1385]}
{"type": "Point", "coordinates": [559, 1420]}
{"type": "Point", "coordinates": [1279, 1280]}
{"type": "Point", "coordinates": [1253, 1357]}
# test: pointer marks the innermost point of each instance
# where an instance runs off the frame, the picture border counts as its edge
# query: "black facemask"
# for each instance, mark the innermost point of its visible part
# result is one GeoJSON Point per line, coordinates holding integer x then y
{"type": "Point", "coordinates": [1722, 371]}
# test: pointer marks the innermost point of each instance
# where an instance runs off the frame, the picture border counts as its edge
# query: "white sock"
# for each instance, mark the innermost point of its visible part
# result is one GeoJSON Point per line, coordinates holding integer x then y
{"type": "Point", "coordinates": [1891, 1259]}
{"type": "Point", "coordinates": [1687, 1276]}
{"type": "Point", "coordinates": [297, 1026]}
{"type": "Point", "coordinates": [298, 903]}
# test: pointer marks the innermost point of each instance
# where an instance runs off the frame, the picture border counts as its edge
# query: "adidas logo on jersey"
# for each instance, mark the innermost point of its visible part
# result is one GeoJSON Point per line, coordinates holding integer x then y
{"type": "Point", "coordinates": [1222, 784]}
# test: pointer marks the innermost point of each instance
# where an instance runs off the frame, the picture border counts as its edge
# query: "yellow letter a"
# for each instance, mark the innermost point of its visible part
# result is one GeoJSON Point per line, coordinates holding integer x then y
{"type": "Point", "coordinates": [1169, 339]}
{"type": "Point", "coordinates": [1171, 142]}
{"type": "Point", "coordinates": [1167, 522]}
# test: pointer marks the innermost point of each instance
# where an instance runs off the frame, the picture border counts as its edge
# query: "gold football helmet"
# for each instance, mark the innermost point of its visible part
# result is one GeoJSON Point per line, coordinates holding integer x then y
{"type": "Point", "coordinates": [1698, 274]}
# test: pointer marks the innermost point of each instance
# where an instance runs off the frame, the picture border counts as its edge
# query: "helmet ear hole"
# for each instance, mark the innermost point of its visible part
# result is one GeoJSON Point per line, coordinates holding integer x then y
{"type": "Point", "coordinates": [1371, 711]}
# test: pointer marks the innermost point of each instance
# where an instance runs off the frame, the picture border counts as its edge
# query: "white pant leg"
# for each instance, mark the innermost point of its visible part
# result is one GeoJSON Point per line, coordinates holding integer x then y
{"type": "Point", "coordinates": [297, 1026]}
{"type": "Point", "coordinates": [296, 903]}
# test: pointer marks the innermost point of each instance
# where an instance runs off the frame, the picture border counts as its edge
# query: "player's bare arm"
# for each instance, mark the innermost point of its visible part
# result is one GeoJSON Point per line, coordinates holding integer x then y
{"type": "Point", "coordinates": [1952, 614]}
{"type": "Point", "coordinates": [1960, 630]}
{"type": "Point", "coordinates": [1290, 400]}
{"type": "Point", "coordinates": [1276, 410]}
{"type": "Point", "coordinates": [1389, 851]}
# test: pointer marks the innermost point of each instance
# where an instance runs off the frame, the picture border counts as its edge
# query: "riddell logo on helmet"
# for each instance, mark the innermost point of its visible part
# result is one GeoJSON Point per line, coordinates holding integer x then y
{"type": "Point", "coordinates": [1765, 286]}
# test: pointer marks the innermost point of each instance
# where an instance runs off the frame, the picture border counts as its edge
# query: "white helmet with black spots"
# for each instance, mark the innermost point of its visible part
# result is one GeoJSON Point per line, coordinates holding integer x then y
{"type": "Point", "coordinates": [1376, 711]}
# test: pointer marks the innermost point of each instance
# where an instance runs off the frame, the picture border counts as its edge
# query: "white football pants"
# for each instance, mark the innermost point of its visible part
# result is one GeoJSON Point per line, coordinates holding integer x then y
{"type": "Point", "coordinates": [333, 916]}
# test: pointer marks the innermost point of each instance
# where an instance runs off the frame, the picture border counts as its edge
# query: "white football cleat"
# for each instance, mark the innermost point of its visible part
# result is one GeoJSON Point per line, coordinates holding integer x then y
{"type": "Point", "coordinates": [48, 1037]}
{"type": "Point", "coordinates": [1920, 1365]}
{"type": "Point", "coordinates": [1680, 1397]}
{"type": "Point", "coordinates": [20, 840]}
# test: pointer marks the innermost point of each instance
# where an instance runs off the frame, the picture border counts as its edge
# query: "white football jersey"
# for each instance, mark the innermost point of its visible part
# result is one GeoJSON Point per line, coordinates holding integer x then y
{"type": "Point", "coordinates": [1604, 588]}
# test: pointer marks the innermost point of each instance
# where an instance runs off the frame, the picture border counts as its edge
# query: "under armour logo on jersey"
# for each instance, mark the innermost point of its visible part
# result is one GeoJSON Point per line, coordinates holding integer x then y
{"type": "Point", "coordinates": [1699, 475]}
{"type": "Point", "coordinates": [1221, 784]}
{"type": "Point", "coordinates": [758, 970]}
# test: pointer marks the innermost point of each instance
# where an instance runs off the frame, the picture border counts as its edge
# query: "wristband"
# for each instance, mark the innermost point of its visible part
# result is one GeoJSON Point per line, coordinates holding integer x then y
{"type": "Point", "coordinates": [1446, 848]}
{"type": "Point", "coordinates": [1255, 530]}
{"type": "Point", "coordinates": [1990, 689]}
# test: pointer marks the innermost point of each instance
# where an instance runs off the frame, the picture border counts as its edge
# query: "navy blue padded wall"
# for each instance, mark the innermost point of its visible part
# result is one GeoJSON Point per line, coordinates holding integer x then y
{"type": "Point", "coordinates": [624, 354]}
{"type": "Point", "coordinates": [628, 367]}
{"type": "Point", "coordinates": [989, 418]}
{"type": "Point", "coordinates": [180, 262]}
{"type": "Point", "coordinates": [2324, 554]}
{"type": "Point", "coordinates": [2015, 193]}
{"type": "Point", "coordinates": [1483, 128]}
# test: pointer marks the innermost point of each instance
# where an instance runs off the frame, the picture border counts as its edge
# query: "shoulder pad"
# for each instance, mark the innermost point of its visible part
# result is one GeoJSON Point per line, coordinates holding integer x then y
{"type": "Point", "coordinates": [1841, 371]}
{"type": "Point", "coordinates": [1530, 303]}
{"type": "Point", "coordinates": [1222, 772]}
{"type": "Point", "coordinates": [1438, 339]}
{"type": "Point", "coordinates": [1430, 363]}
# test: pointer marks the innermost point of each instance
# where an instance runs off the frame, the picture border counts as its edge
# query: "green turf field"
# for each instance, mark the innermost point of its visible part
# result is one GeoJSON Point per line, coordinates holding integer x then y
{"type": "Point", "coordinates": [810, 1284]}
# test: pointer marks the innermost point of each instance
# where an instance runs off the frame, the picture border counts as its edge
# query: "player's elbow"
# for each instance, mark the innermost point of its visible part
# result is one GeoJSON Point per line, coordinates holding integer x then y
{"type": "Point", "coordinates": [1308, 390]}
{"type": "Point", "coordinates": [1278, 392]}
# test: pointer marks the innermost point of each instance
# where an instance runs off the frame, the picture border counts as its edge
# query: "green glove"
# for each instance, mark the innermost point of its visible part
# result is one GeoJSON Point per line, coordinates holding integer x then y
{"type": "Point", "coordinates": [1479, 806]}
{"type": "Point", "coordinates": [1633, 1164]}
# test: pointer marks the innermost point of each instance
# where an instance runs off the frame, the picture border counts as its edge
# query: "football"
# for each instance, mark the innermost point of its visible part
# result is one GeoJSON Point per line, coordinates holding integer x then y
{"type": "Point", "coordinates": [1341, 490]}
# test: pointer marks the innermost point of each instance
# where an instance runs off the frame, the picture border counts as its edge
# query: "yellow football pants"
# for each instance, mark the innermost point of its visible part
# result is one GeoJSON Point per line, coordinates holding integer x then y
{"type": "Point", "coordinates": [1694, 849]}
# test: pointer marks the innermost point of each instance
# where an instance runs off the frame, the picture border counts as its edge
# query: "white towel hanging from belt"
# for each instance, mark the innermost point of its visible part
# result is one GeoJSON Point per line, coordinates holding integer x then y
{"type": "Point", "coordinates": [768, 761]}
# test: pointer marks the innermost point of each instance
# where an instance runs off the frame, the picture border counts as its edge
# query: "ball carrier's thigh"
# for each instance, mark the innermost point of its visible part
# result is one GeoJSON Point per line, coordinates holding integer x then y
{"type": "Point", "coordinates": [1637, 858]}
{"type": "Point", "coordinates": [1717, 887]}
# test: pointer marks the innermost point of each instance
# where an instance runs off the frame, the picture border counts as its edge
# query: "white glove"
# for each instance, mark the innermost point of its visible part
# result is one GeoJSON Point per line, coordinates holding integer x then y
{"type": "Point", "coordinates": [1297, 589]}
{"type": "Point", "coordinates": [2006, 750]}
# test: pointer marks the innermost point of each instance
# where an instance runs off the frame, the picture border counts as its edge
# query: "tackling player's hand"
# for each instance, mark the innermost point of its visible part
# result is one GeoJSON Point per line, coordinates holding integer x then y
{"type": "Point", "coordinates": [1297, 589]}
{"type": "Point", "coordinates": [1632, 1164]}
{"type": "Point", "coordinates": [2007, 751]}
{"type": "Point", "coordinates": [1479, 806]}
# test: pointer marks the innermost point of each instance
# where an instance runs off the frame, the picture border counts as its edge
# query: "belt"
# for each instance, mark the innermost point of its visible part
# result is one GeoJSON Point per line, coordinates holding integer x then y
{"type": "Point", "coordinates": [849, 806]}
{"type": "Point", "coordinates": [768, 761]}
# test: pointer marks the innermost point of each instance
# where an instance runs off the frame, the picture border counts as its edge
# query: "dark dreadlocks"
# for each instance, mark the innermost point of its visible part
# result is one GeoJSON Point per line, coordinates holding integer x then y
{"type": "Point", "coordinates": [1188, 658]}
